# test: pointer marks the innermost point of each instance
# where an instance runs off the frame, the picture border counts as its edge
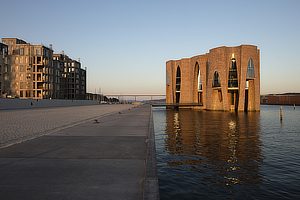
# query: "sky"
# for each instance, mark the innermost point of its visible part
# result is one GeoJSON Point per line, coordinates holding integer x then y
{"type": "Point", "coordinates": [125, 44]}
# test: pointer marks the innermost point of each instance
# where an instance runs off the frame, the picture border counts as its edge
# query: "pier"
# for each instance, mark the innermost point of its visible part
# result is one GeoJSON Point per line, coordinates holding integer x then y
{"type": "Point", "coordinates": [111, 158]}
{"type": "Point", "coordinates": [135, 95]}
{"type": "Point", "coordinates": [176, 105]}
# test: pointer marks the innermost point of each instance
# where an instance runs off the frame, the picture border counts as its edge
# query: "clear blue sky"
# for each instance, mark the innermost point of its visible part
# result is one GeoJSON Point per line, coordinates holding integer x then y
{"type": "Point", "coordinates": [125, 44]}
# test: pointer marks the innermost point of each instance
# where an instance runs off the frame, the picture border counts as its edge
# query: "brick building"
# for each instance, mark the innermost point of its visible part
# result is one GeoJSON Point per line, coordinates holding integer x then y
{"type": "Point", "coordinates": [226, 78]}
{"type": "Point", "coordinates": [281, 99]}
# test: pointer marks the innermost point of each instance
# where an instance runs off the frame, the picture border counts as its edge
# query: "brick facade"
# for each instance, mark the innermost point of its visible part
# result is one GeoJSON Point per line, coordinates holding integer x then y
{"type": "Point", "coordinates": [244, 95]}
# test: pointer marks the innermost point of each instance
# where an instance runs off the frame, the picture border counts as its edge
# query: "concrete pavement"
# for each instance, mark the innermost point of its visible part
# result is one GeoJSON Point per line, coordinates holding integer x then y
{"type": "Point", "coordinates": [112, 159]}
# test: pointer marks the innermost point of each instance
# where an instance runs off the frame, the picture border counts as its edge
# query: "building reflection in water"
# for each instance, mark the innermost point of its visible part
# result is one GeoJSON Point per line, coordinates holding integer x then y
{"type": "Point", "coordinates": [220, 148]}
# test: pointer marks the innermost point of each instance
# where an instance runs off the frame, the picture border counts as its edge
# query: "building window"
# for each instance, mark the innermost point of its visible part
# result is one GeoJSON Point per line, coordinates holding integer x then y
{"type": "Point", "coordinates": [216, 80]}
{"type": "Point", "coordinates": [178, 79]}
{"type": "Point", "coordinates": [250, 69]}
{"type": "Point", "coordinates": [167, 78]}
{"type": "Point", "coordinates": [232, 76]}
{"type": "Point", "coordinates": [4, 42]}
{"type": "Point", "coordinates": [39, 60]}
{"type": "Point", "coordinates": [178, 83]}
{"type": "Point", "coordinates": [38, 51]}
{"type": "Point", "coordinates": [11, 42]}
{"type": "Point", "coordinates": [199, 81]}
{"type": "Point", "coordinates": [28, 93]}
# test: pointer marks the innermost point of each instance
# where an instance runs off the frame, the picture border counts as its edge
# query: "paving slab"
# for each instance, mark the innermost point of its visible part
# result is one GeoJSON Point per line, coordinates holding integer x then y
{"type": "Point", "coordinates": [79, 148]}
{"type": "Point", "coordinates": [105, 160]}
{"type": "Point", "coordinates": [72, 179]}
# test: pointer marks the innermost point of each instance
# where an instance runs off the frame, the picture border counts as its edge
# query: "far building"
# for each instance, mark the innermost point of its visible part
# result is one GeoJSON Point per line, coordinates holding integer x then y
{"type": "Point", "coordinates": [226, 78]}
{"type": "Point", "coordinates": [281, 99]}
{"type": "Point", "coordinates": [73, 77]}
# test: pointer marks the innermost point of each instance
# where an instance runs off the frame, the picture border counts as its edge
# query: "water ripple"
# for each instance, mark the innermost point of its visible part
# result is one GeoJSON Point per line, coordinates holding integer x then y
{"type": "Point", "coordinates": [223, 155]}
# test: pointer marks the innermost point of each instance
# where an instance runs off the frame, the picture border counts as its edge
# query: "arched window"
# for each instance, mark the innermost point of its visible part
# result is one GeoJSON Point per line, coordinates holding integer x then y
{"type": "Point", "coordinates": [198, 77]}
{"type": "Point", "coordinates": [199, 81]}
{"type": "Point", "coordinates": [216, 80]}
{"type": "Point", "coordinates": [178, 79]}
{"type": "Point", "coordinates": [232, 76]}
{"type": "Point", "coordinates": [178, 83]}
{"type": "Point", "coordinates": [250, 69]}
{"type": "Point", "coordinates": [167, 79]}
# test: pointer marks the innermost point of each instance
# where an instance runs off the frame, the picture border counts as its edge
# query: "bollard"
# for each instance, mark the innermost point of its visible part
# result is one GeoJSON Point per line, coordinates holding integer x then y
{"type": "Point", "coordinates": [281, 113]}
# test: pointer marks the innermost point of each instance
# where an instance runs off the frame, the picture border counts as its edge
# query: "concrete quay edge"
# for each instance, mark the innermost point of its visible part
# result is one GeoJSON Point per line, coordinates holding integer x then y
{"type": "Point", "coordinates": [151, 186]}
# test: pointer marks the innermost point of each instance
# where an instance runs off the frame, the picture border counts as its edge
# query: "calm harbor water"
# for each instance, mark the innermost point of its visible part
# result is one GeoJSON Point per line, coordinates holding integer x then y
{"type": "Point", "coordinates": [223, 155]}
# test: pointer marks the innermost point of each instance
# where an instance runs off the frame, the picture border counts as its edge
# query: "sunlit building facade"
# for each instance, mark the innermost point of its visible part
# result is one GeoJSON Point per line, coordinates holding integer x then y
{"type": "Point", "coordinates": [226, 78]}
{"type": "Point", "coordinates": [30, 69]}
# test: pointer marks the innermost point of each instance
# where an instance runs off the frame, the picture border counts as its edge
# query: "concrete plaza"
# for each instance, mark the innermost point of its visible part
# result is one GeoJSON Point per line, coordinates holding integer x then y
{"type": "Point", "coordinates": [68, 156]}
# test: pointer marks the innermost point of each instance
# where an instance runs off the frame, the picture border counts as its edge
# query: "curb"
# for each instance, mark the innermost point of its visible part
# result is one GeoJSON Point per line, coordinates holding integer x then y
{"type": "Point", "coordinates": [151, 187]}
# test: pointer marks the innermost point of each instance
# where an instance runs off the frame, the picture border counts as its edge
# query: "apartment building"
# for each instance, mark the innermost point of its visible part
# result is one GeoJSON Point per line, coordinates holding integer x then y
{"type": "Point", "coordinates": [73, 77]}
{"type": "Point", "coordinates": [30, 69]}
{"type": "Point", "coordinates": [4, 71]}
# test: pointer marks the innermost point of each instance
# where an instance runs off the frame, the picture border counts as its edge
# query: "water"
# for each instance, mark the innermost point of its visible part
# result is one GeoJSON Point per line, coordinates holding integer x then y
{"type": "Point", "coordinates": [223, 155]}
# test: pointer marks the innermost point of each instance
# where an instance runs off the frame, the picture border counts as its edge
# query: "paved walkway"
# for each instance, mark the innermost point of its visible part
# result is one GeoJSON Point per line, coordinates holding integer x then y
{"type": "Point", "coordinates": [80, 159]}
{"type": "Point", "coordinates": [24, 124]}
